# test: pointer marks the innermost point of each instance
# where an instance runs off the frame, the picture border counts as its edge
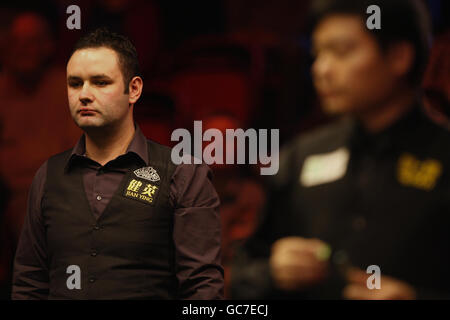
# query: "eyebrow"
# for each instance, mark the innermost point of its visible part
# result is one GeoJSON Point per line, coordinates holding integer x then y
{"type": "Point", "coordinates": [94, 77]}
{"type": "Point", "coordinates": [334, 43]}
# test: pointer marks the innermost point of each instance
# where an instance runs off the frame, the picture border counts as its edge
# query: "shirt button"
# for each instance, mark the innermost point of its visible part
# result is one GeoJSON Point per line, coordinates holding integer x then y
{"type": "Point", "coordinates": [359, 223]}
{"type": "Point", "coordinates": [99, 198]}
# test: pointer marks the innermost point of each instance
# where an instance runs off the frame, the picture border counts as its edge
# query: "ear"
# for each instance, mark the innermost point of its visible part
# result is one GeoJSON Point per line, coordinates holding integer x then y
{"type": "Point", "coordinates": [401, 58]}
{"type": "Point", "coordinates": [135, 89]}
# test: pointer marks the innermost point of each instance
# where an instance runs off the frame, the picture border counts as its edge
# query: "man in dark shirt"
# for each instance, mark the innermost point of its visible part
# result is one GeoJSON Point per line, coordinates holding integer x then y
{"type": "Point", "coordinates": [114, 218]}
{"type": "Point", "coordinates": [369, 192]}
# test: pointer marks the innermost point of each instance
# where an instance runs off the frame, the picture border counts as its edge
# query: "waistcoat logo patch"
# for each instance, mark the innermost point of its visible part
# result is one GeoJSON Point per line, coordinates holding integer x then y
{"type": "Point", "coordinates": [147, 173]}
{"type": "Point", "coordinates": [141, 190]}
{"type": "Point", "coordinates": [412, 172]}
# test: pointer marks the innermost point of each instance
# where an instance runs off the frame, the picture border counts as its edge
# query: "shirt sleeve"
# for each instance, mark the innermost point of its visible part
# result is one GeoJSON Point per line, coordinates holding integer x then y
{"type": "Point", "coordinates": [31, 275]}
{"type": "Point", "coordinates": [197, 233]}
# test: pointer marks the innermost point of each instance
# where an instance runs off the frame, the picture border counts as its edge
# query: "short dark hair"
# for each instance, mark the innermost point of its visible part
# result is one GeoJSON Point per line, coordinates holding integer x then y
{"type": "Point", "coordinates": [401, 20]}
{"type": "Point", "coordinates": [126, 52]}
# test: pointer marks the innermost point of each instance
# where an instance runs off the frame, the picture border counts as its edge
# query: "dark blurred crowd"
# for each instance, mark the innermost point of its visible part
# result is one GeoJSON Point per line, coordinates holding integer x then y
{"type": "Point", "coordinates": [231, 63]}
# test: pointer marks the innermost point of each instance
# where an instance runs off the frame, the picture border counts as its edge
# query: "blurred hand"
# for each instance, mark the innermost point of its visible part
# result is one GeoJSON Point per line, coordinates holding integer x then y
{"type": "Point", "coordinates": [294, 263]}
{"type": "Point", "coordinates": [391, 288]}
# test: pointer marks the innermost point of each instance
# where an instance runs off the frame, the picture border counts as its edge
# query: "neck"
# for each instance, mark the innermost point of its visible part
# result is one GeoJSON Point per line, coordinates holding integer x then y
{"type": "Point", "coordinates": [107, 143]}
{"type": "Point", "coordinates": [379, 118]}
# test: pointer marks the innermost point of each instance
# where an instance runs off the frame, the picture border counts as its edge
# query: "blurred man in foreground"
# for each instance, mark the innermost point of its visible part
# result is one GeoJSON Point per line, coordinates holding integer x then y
{"type": "Point", "coordinates": [371, 189]}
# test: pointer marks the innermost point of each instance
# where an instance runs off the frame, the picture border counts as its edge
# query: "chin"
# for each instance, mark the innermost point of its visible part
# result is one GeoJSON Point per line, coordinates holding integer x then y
{"type": "Point", "coordinates": [335, 108]}
{"type": "Point", "coordinates": [86, 125]}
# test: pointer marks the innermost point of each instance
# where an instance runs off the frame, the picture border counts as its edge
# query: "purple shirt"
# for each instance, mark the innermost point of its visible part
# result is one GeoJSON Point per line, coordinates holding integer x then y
{"type": "Point", "coordinates": [196, 232]}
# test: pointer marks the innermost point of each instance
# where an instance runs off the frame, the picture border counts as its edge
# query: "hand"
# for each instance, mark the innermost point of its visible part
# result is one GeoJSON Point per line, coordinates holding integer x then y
{"type": "Point", "coordinates": [391, 288]}
{"type": "Point", "coordinates": [294, 263]}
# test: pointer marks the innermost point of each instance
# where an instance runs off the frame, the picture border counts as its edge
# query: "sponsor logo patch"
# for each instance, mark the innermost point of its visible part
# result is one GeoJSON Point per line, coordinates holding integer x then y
{"type": "Point", "coordinates": [147, 173]}
{"type": "Point", "coordinates": [412, 172]}
{"type": "Point", "coordinates": [141, 190]}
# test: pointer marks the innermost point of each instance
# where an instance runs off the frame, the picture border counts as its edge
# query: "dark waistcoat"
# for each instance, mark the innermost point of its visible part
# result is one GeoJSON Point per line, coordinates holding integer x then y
{"type": "Point", "coordinates": [128, 253]}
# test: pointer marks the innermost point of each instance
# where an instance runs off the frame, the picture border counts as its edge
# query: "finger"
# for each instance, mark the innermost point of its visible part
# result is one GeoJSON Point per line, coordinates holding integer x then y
{"type": "Point", "coordinates": [357, 292]}
{"type": "Point", "coordinates": [357, 276]}
{"type": "Point", "coordinates": [304, 257]}
{"type": "Point", "coordinates": [299, 275]}
{"type": "Point", "coordinates": [298, 243]}
{"type": "Point", "coordinates": [310, 246]}
{"type": "Point", "coordinates": [302, 266]}
{"type": "Point", "coordinates": [297, 280]}
{"type": "Point", "coordinates": [314, 259]}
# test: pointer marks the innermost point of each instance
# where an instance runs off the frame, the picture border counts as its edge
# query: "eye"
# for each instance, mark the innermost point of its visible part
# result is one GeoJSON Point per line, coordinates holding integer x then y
{"type": "Point", "coordinates": [343, 50]}
{"type": "Point", "coordinates": [101, 83]}
{"type": "Point", "coordinates": [74, 84]}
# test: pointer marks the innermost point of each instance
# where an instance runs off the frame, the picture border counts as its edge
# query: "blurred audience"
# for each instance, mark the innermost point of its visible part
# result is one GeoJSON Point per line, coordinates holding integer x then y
{"type": "Point", "coordinates": [138, 19]}
{"type": "Point", "coordinates": [34, 115]}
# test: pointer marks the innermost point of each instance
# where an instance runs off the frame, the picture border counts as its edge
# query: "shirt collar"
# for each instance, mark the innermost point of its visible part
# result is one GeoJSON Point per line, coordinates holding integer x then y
{"type": "Point", "coordinates": [138, 146]}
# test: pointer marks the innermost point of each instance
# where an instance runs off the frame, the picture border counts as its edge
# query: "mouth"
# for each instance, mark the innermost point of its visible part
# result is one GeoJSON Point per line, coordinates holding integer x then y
{"type": "Point", "coordinates": [326, 91]}
{"type": "Point", "coordinates": [87, 112]}
{"type": "Point", "coordinates": [328, 94]}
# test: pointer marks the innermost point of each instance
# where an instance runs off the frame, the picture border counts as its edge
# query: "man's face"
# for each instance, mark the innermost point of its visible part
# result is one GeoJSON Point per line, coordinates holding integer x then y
{"type": "Point", "coordinates": [95, 88]}
{"type": "Point", "coordinates": [350, 72]}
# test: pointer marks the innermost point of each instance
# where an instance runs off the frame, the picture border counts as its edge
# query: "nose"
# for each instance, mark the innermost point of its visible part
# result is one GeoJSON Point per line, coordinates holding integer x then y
{"type": "Point", "coordinates": [321, 67]}
{"type": "Point", "coordinates": [86, 95]}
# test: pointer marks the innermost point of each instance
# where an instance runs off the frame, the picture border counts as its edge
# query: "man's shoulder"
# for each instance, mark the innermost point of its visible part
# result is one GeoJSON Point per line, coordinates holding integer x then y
{"type": "Point", "coordinates": [324, 138]}
{"type": "Point", "coordinates": [156, 145]}
{"type": "Point", "coordinates": [160, 156]}
{"type": "Point", "coordinates": [441, 131]}
{"type": "Point", "coordinates": [41, 173]}
{"type": "Point", "coordinates": [158, 153]}
{"type": "Point", "coordinates": [433, 138]}
{"type": "Point", "coordinates": [57, 162]}
{"type": "Point", "coordinates": [64, 155]}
